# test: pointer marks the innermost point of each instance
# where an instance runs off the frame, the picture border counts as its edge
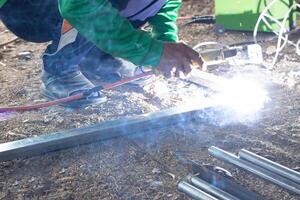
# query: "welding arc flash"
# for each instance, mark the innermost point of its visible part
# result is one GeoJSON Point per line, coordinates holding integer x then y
{"type": "Point", "coordinates": [243, 96]}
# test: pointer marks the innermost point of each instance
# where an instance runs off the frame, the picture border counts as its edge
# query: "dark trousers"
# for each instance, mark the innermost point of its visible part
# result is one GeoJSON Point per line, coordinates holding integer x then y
{"type": "Point", "coordinates": [40, 21]}
{"type": "Point", "coordinates": [32, 20]}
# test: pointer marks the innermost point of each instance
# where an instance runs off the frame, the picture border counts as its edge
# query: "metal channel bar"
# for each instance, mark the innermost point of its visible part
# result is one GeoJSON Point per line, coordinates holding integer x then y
{"type": "Point", "coordinates": [206, 187]}
{"type": "Point", "coordinates": [101, 131]}
{"type": "Point", "coordinates": [194, 192]}
{"type": "Point", "coordinates": [259, 171]}
{"type": "Point", "coordinates": [222, 182]}
{"type": "Point", "coordinates": [270, 165]}
{"type": "Point", "coordinates": [208, 80]}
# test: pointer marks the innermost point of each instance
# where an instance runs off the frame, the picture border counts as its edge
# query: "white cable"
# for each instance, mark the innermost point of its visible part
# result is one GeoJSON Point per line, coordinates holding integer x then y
{"type": "Point", "coordinates": [280, 45]}
{"type": "Point", "coordinates": [260, 18]}
{"type": "Point", "coordinates": [285, 38]}
{"type": "Point", "coordinates": [280, 34]}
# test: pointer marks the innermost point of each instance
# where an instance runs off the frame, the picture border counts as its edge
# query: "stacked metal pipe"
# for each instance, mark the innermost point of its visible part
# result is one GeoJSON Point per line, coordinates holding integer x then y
{"type": "Point", "coordinates": [262, 167]}
{"type": "Point", "coordinates": [213, 182]}
{"type": "Point", "coordinates": [194, 192]}
{"type": "Point", "coordinates": [199, 186]}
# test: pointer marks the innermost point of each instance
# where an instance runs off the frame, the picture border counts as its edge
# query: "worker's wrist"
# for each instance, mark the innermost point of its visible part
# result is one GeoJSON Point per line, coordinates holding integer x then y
{"type": "Point", "coordinates": [153, 56]}
{"type": "Point", "coordinates": [168, 37]}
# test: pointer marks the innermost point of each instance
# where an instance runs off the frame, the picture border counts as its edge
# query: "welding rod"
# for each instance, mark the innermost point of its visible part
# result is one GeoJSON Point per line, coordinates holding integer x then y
{"type": "Point", "coordinates": [203, 185]}
{"type": "Point", "coordinates": [257, 170]}
{"type": "Point", "coordinates": [270, 165]}
{"type": "Point", "coordinates": [194, 192]}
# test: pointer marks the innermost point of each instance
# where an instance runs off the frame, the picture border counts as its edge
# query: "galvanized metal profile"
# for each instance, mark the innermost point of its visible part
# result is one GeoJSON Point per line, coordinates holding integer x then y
{"type": "Point", "coordinates": [221, 181]}
{"type": "Point", "coordinates": [206, 187]}
{"type": "Point", "coordinates": [257, 170]}
{"type": "Point", "coordinates": [208, 80]}
{"type": "Point", "coordinates": [270, 165]}
{"type": "Point", "coordinates": [101, 131]}
{"type": "Point", "coordinates": [194, 192]}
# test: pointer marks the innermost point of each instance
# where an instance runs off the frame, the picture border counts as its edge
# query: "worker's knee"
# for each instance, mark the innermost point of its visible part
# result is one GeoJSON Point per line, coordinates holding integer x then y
{"type": "Point", "coordinates": [32, 20]}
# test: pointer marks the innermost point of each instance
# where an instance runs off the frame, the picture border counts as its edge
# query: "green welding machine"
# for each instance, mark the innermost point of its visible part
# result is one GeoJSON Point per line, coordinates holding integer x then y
{"type": "Point", "coordinates": [242, 15]}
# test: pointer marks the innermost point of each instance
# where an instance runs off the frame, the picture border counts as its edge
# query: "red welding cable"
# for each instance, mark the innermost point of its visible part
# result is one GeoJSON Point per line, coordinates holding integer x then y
{"type": "Point", "coordinates": [73, 97]}
{"type": "Point", "coordinates": [127, 80]}
{"type": "Point", "coordinates": [41, 105]}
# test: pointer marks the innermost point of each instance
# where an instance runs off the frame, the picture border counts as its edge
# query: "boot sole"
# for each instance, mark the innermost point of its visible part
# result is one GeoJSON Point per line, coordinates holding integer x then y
{"type": "Point", "coordinates": [80, 103]}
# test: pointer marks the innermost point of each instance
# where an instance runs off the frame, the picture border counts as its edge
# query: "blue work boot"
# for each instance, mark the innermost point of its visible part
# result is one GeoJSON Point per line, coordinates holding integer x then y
{"type": "Point", "coordinates": [129, 70]}
{"type": "Point", "coordinates": [57, 87]}
{"type": "Point", "coordinates": [61, 76]}
{"type": "Point", "coordinates": [103, 68]}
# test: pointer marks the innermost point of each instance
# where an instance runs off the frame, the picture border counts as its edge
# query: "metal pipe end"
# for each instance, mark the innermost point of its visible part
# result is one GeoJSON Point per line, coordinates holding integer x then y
{"type": "Point", "coordinates": [212, 149]}
{"type": "Point", "coordinates": [189, 177]}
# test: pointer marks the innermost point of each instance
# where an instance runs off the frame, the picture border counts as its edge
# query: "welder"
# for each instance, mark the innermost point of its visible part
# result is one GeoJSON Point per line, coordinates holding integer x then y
{"type": "Point", "coordinates": [94, 39]}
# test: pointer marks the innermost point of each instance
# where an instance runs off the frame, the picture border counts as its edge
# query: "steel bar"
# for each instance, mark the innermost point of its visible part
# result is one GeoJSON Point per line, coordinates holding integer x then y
{"type": "Point", "coordinates": [194, 192]}
{"type": "Point", "coordinates": [259, 171]}
{"type": "Point", "coordinates": [206, 187]}
{"type": "Point", "coordinates": [208, 80]}
{"type": "Point", "coordinates": [270, 165]}
{"type": "Point", "coordinates": [101, 131]}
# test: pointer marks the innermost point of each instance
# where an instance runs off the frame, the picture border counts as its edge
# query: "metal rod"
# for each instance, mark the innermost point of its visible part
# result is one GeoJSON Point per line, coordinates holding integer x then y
{"type": "Point", "coordinates": [194, 192]}
{"type": "Point", "coordinates": [101, 131]}
{"type": "Point", "coordinates": [270, 165]}
{"type": "Point", "coordinates": [203, 185]}
{"type": "Point", "coordinates": [259, 171]}
{"type": "Point", "coordinates": [208, 80]}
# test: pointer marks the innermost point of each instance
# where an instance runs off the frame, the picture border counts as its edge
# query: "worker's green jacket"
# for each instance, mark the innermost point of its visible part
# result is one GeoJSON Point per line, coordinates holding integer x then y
{"type": "Point", "coordinates": [2, 2]}
{"type": "Point", "coordinates": [101, 23]}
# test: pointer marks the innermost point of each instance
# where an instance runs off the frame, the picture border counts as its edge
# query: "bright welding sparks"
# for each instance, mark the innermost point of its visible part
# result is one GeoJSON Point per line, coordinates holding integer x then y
{"type": "Point", "coordinates": [245, 97]}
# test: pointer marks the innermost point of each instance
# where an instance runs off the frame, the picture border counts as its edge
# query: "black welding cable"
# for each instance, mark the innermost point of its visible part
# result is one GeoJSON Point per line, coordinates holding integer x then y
{"type": "Point", "coordinates": [205, 19]}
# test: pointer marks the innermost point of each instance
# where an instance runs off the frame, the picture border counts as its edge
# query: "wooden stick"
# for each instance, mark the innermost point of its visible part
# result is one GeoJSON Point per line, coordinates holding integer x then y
{"type": "Point", "coordinates": [9, 42]}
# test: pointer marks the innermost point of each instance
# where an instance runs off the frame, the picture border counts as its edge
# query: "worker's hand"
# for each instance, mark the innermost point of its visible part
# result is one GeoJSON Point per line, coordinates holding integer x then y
{"type": "Point", "coordinates": [177, 58]}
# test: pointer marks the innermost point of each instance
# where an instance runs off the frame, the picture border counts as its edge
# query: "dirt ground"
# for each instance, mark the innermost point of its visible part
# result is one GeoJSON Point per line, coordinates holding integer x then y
{"type": "Point", "coordinates": [143, 166]}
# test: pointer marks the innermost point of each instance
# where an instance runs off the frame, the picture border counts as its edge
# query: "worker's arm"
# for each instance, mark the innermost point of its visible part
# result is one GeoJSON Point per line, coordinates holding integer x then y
{"type": "Point", "coordinates": [102, 24]}
{"type": "Point", "coordinates": [175, 55]}
{"type": "Point", "coordinates": [2, 2]}
{"type": "Point", "coordinates": [163, 24]}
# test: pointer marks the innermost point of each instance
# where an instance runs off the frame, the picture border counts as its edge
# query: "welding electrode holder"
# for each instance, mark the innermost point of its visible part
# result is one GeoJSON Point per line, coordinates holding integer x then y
{"type": "Point", "coordinates": [249, 53]}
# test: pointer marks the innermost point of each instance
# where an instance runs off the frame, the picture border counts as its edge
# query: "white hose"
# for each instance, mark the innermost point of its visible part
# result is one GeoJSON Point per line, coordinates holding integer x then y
{"type": "Point", "coordinates": [280, 34]}
{"type": "Point", "coordinates": [285, 38]}
{"type": "Point", "coordinates": [261, 17]}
